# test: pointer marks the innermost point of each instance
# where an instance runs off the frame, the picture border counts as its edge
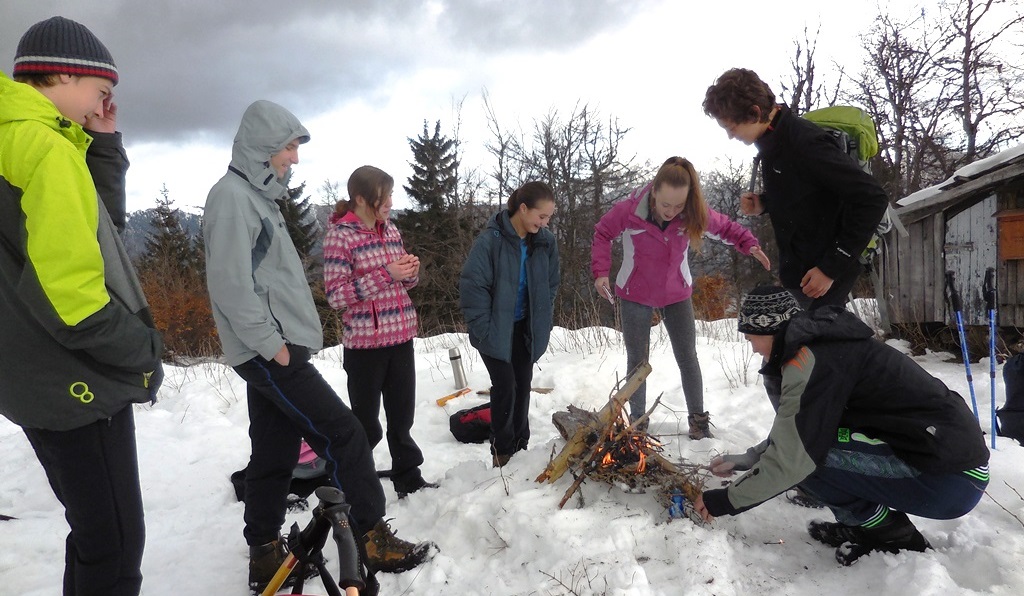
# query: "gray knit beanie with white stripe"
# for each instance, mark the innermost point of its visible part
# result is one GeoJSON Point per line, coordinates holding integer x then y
{"type": "Point", "coordinates": [62, 46]}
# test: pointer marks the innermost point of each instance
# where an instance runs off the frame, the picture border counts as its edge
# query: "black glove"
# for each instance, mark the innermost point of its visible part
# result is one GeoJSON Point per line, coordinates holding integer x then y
{"type": "Point", "coordinates": [153, 380]}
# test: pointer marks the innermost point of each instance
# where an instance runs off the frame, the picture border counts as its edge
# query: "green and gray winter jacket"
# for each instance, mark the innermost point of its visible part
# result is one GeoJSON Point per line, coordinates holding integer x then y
{"type": "Point", "coordinates": [837, 382]}
{"type": "Point", "coordinates": [257, 285]}
{"type": "Point", "coordinates": [77, 342]}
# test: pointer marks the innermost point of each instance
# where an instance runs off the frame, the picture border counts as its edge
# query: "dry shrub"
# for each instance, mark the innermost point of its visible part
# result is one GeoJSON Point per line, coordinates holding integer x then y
{"type": "Point", "coordinates": [713, 298]}
{"type": "Point", "coordinates": [181, 310]}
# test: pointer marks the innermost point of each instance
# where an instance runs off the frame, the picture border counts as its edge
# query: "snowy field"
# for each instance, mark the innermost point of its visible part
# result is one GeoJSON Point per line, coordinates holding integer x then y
{"type": "Point", "coordinates": [499, 532]}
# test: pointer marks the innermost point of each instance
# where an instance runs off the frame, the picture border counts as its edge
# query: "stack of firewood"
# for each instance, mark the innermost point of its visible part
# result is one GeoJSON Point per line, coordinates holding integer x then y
{"type": "Point", "coordinates": [605, 447]}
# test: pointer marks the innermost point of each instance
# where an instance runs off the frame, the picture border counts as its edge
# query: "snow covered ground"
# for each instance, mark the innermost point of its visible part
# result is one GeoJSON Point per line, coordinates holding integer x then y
{"type": "Point", "coordinates": [499, 532]}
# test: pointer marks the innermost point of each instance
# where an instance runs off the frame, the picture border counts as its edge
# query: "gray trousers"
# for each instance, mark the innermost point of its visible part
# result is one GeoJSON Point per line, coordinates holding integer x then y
{"type": "Point", "coordinates": [682, 333]}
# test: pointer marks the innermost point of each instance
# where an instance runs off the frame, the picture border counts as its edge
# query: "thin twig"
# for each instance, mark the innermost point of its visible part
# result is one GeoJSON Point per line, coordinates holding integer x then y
{"type": "Point", "coordinates": [1005, 509]}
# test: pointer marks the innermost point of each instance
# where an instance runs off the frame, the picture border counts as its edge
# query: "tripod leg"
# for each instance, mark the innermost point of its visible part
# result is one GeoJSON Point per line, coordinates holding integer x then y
{"type": "Point", "coordinates": [282, 574]}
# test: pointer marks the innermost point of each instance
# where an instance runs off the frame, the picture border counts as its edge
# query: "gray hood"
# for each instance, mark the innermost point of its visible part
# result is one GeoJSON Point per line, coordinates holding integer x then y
{"type": "Point", "coordinates": [266, 129]}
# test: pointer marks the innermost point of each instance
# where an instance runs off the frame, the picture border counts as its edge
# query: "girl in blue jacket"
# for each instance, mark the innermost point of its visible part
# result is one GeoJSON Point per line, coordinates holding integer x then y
{"type": "Point", "coordinates": [507, 292]}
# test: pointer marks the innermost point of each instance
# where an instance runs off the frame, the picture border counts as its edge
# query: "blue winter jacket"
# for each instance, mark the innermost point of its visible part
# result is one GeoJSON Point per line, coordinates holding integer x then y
{"type": "Point", "coordinates": [490, 282]}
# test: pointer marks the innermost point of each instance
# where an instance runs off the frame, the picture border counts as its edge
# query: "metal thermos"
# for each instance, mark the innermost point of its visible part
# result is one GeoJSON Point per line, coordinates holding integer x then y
{"type": "Point", "coordinates": [460, 375]}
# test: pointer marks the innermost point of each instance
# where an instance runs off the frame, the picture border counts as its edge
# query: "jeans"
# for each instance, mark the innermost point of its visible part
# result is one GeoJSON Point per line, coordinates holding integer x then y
{"type": "Point", "coordinates": [682, 333]}
{"type": "Point", "coordinates": [861, 477]}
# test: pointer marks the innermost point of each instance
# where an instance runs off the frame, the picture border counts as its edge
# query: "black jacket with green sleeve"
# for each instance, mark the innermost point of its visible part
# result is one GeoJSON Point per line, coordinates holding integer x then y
{"type": "Point", "coordinates": [77, 343]}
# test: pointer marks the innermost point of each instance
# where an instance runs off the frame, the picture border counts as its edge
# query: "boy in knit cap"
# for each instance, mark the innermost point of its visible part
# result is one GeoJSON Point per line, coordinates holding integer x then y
{"type": "Point", "coordinates": [77, 344]}
{"type": "Point", "coordinates": [860, 426]}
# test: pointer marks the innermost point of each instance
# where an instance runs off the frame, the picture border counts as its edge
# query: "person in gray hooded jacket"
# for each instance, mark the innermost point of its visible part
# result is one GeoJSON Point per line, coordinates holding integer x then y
{"type": "Point", "coordinates": [268, 327]}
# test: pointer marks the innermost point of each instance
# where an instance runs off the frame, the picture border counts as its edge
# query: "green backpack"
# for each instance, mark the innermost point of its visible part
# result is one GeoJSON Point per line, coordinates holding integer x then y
{"type": "Point", "coordinates": [853, 129]}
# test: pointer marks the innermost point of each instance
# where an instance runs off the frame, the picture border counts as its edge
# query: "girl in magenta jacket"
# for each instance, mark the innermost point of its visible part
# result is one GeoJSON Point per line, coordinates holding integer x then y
{"type": "Point", "coordinates": [657, 224]}
{"type": "Point", "coordinates": [367, 274]}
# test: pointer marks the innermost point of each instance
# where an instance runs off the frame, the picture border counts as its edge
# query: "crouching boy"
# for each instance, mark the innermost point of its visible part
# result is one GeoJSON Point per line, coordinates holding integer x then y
{"type": "Point", "coordinates": [860, 425]}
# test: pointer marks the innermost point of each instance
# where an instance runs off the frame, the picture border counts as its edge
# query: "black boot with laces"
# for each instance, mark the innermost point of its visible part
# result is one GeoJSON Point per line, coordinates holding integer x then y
{"type": "Point", "coordinates": [895, 533]}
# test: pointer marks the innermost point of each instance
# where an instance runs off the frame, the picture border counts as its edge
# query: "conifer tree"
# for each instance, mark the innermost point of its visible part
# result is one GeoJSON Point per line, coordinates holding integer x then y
{"type": "Point", "coordinates": [172, 274]}
{"type": "Point", "coordinates": [435, 170]}
{"type": "Point", "coordinates": [301, 221]}
{"type": "Point", "coordinates": [169, 245]}
{"type": "Point", "coordinates": [435, 230]}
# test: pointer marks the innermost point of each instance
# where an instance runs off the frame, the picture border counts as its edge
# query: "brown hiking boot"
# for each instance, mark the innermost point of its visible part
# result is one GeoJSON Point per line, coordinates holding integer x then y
{"type": "Point", "coordinates": [699, 426]}
{"type": "Point", "coordinates": [499, 461]}
{"type": "Point", "coordinates": [390, 554]}
{"type": "Point", "coordinates": [266, 559]}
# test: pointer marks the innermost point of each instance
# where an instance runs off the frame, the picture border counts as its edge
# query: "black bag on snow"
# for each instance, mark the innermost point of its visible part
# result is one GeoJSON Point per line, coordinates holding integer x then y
{"type": "Point", "coordinates": [472, 425]}
{"type": "Point", "coordinates": [1011, 415]}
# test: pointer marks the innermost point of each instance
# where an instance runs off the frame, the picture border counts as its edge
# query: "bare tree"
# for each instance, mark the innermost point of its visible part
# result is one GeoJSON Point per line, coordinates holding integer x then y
{"type": "Point", "coordinates": [579, 157]}
{"type": "Point", "coordinates": [722, 188]}
{"type": "Point", "coordinates": [804, 92]}
{"type": "Point", "coordinates": [988, 83]}
{"type": "Point", "coordinates": [902, 88]}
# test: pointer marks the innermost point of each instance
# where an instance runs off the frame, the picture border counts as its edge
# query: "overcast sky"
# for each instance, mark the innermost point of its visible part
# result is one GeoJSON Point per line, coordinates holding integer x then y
{"type": "Point", "coordinates": [363, 75]}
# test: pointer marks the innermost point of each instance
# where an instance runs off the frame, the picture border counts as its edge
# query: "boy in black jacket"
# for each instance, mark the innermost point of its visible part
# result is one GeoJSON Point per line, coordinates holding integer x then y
{"type": "Point", "coordinates": [860, 425]}
{"type": "Point", "coordinates": [823, 207]}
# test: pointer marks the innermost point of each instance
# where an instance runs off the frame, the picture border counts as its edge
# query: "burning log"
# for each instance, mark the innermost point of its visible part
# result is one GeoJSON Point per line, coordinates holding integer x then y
{"type": "Point", "coordinates": [605, 446]}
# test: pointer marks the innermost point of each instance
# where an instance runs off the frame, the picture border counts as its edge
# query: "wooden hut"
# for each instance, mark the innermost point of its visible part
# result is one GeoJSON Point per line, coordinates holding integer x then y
{"type": "Point", "coordinates": [967, 224]}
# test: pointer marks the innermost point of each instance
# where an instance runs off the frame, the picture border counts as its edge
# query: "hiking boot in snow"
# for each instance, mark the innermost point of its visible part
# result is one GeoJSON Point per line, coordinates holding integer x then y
{"type": "Point", "coordinates": [266, 559]}
{"type": "Point", "coordinates": [390, 554]}
{"type": "Point", "coordinates": [406, 488]}
{"type": "Point", "coordinates": [895, 533]}
{"type": "Point", "coordinates": [699, 426]}
{"type": "Point", "coordinates": [834, 533]}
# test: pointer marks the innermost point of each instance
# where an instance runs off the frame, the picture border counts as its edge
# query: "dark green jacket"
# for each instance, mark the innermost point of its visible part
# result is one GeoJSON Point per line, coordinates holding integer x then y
{"type": "Point", "coordinates": [77, 342]}
{"type": "Point", "coordinates": [490, 282]}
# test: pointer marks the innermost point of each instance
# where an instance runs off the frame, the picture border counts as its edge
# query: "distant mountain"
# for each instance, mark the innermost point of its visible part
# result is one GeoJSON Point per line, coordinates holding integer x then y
{"type": "Point", "coordinates": [139, 227]}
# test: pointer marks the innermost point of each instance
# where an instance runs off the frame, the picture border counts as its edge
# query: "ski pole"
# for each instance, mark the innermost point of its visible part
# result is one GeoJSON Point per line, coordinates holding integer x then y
{"type": "Point", "coordinates": [954, 298]}
{"type": "Point", "coordinates": [989, 290]}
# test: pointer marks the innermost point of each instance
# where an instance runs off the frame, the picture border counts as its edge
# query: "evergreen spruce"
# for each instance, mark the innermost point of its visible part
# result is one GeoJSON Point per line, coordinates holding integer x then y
{"type": "Point", "coordinates": [169, 245]}
{"type": "Point", "coordinates": [435, 170]}
{"type": "Point", "coordinates": [435, 230]}
{"type": "Point", "coordinates": [300, 218]}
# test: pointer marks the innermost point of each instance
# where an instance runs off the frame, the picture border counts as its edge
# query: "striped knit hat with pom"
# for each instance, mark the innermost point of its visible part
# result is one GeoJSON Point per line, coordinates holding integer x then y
{"type": "Point", "coordinates": [765, 309]}
{"type": "Point", "coordinates": [62, 46]}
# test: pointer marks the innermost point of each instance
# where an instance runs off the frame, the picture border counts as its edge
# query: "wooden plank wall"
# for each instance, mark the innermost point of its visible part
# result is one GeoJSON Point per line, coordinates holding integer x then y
{"type": "Point", "coordinates": [913, 269]}
{"type": "Point", "coordinates": [1010, 274]}
{"type": "Point", "coordinates": [970, 239]}
{"type": "Point", "coordinates": [913, 272]}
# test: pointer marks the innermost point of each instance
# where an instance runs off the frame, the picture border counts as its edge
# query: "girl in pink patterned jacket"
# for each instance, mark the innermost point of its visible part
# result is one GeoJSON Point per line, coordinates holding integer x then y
{"type": "Point", "coordinates": [367, 274]}
{"type": "Point", "coordinates": [657, 224]}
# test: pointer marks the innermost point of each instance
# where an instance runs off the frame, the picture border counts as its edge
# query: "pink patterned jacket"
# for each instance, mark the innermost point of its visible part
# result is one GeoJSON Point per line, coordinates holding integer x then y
{"type": "Point", "coordinates": [377, 309]}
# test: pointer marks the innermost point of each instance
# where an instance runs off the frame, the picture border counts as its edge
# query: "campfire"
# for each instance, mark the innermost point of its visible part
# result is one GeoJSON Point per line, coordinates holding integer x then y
{"type": "Point", "coordinates": [603, 446]}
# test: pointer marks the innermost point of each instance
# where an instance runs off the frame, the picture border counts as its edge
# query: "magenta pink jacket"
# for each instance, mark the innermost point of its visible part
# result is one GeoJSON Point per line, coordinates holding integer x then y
{"type": "Point", "coordinates": [377, 309]}
{"type": "Point", "coordinates": [655, 265]}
